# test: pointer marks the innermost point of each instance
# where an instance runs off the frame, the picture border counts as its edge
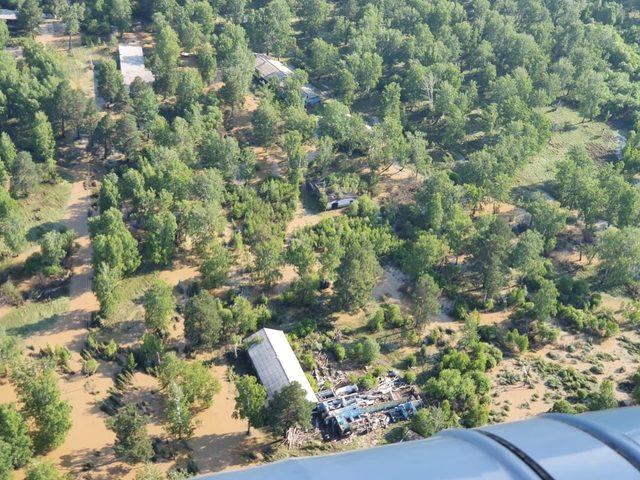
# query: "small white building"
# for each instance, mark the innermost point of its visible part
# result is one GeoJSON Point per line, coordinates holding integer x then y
{"type": "Point", "coordinates": [8, 15]}
{"type": "Point", "coordinates": [275, 362]}
{"type": "Point", "coordinates": [268, 68]}
{"type": "Point", "coordinates": [132, 64]}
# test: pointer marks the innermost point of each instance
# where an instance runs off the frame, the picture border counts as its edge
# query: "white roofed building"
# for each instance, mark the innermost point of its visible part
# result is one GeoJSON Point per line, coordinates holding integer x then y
{"type": "Point", "coordinates": [268, 68]}
{"type": "Point", "coordinates": [275, 362]}
{"type": "Point", "coordinates": [132, 64]}
{"type": "Point", "coordinates": [8, 15]}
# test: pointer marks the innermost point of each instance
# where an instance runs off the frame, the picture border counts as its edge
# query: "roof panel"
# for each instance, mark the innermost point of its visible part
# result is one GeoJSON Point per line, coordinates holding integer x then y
{"type": "Point", "coordinates": [132, 64]}
{"type": "Point", "coordinates": [275, 362]}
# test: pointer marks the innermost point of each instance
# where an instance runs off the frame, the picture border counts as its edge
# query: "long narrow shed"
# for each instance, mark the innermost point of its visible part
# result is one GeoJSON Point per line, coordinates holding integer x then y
{"type": "Point", "coordinates": [275, 362]}
{"type": "Point", "coordinates": [132, 64]}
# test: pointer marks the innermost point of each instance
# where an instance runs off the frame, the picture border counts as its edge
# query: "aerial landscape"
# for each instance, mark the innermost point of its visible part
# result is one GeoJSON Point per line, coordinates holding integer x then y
{"type": "Point", "coordinates": [234, 232]}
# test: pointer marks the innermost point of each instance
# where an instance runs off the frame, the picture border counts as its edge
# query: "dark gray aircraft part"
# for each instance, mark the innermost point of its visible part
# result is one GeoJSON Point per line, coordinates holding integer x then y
{"type": "Point", "coordinates": [601, 445]}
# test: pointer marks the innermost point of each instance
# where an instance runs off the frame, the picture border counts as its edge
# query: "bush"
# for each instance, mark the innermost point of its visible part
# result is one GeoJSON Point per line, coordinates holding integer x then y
{"type": "Point", "coordinates": [307, 361]}
{"type": "Point", "coordinates": [10, 294]}
{"type": "Point", "coordinates": [410, 361]}
{"type": "Point", "coordinates": [339, 351]}
{"type": "Point", "coordinates": [90, 366]}
{"type": "Point", "coordinates": [367, 382]}
{"type": "Point", "coordinates": [364, 351]}
{"type": "Point", "coordinates": [376, 322]}
{"type": "Point", "coordinates": [393, 316]}
{"type": "Point", "coordinates": [410, 377]}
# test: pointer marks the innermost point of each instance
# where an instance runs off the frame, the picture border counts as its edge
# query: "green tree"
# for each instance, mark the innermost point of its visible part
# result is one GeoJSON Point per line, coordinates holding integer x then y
{"type": "Point", "coordinates": [545, 300]}
{"type": "Point", "coordinates": [429, 421]}
{"type": "Point", "coordinates": [14, 431]}
{"type": "Point", "coordinates": [365, 350]}
{"type": "Point", "coordinates": [268, 260]}
{"type": "Point", "coordinates": [104, 136]}
{"type": "Point", "coordinates": [289, 408]}
{"type": "Point", "coordinates": [120, 15]}
{"type": "Point", "coordinates": [526, 256]}
{"type": "Point", "coordinates": [178, 419]}
{"type": "Point", "coordinates": [236, 62]}
{"type": "Point", "coordinates": [166, 57]}
{"type": "Point", "coordinates": [127, 137]}
{"type": "Point", "coordinates": [490, 250]}
{"type": "Point", "coordinates": [144, 104]}
{"type": "Point", "coordinates": [110, 82]}
{"type": "Point", "coordinates": [112, 242]}
{"type": "Point", "coordinates": [160, 240]}
{"type": "Point", "coordinates": [189, 89]}
{"type": "Point", "coordinates": [12, 229]}
{"type": "Point", "coordinates": [207, 62]}
{"type": "Point", "coordinates": [41, 401]}
{"type": "Point", "coordinates": [591, 93]}
{"type": "Point", "coordinates": [216, 266]}
{"type": "Point", "coordinates": [204, 316]}
{"type": "Point", "coordinates": [43, 145]}
{"type": "Point", "coordinates": [68, 109]}
{"type": "Point", "coordinates": [265, 123]}
{"type": "Point", "coordinates": [6, 468]}
{"type": "Point", "coordinates": [25, 175]}
{"type": "Point", "coordinates": [105, 285]}
{"type": "Point", "coordinates": [619, 252]}
{"type": "Point", "coordinates": [604, 397]}
{"type": "Point", "coordinates": [72, 16]}
{"type": "Point", "coordinates": [4, 34]}
{"type": "Point", "coordinates": [159, 306]}
{"type": "Point", "coordinates": [270, 28]}
{"type": "Point", "coordinates": [109, 196]}
{"type": "Point", "coordinates": [358, 274]}
{"type": "Point", "coordinates": [133, 444]}
{"type": "Point", "coordinates": [547, 218]}
{"type": "Point", "coordinates": [250, 398]}
{"type": "Point", "coordinates": [426, 299]}
{"type": "Point", "coordinates": [29, 16]}
{"type": "Point", "coordinates": [43, 470]}
{"type": "Point", "coordinates": [194, 379]}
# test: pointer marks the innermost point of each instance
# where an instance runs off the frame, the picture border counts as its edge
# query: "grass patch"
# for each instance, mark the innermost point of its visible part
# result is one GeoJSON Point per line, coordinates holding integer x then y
{"type": "Point", "coordinates": [598, 137]}
{"type": "Point", "coordinates": [32, 317]}
{"type": "Point", "coordinates": [42, 211]}
{"type": "Point", "coordinates": [130, 293]}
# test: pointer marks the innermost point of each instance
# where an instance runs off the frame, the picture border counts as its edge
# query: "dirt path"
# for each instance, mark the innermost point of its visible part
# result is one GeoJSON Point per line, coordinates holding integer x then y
{"type": "Point", "coordinates": [88, 433]}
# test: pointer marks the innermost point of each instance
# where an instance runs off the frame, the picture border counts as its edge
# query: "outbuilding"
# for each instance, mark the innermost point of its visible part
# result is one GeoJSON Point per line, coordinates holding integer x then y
{"type": "Point", "coordinates": [132, 64]}
{"type": "Point", "coordinates": [269, 69]}
{"type": "Point", "coordinates": [275, 362]}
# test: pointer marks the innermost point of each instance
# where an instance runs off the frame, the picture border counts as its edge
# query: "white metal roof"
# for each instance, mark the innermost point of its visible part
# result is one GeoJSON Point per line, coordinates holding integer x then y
{"type": "Point", "coordinates": [132, 64]}
{"type": "Point", "coordinates": [268, 68]}
{"type": "Point", "coordinates": [6, 14]}
{"type": "Point", "coordinates": [275, 362]}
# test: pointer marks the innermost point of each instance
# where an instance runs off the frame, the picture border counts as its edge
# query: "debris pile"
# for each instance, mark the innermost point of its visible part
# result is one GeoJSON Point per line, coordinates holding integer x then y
{"type": "Point", "coordinates": [346, 410]}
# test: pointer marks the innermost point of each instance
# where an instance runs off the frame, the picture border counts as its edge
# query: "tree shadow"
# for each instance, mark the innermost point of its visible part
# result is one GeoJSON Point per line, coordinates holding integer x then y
{"type": "Point", "coordinates": [36, 232]}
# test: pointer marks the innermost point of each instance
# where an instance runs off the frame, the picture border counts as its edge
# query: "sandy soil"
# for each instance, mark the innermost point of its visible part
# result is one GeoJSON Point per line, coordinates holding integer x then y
{"type": "Point", "coordinates": [390, 287]}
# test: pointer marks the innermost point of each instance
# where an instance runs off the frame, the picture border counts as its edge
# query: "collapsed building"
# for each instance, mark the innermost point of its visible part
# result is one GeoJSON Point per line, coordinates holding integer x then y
{"type": "Point", "coordinates": [345, 411]}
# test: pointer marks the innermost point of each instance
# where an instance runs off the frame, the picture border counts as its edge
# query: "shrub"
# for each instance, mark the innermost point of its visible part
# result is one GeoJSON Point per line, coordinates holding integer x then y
{"type": "Point", "coordinates": [376, 322]}
{"type": "Point", "coordinates": [410, 377]}
{"type": "Point", "coordinates": [90, 366]}
{"type": "Point", "coordinates": [365, 350]}
{"type": "Point", "coordinates": [367, 382]}
{"type": "Point", "coordinates": [339, 351]}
